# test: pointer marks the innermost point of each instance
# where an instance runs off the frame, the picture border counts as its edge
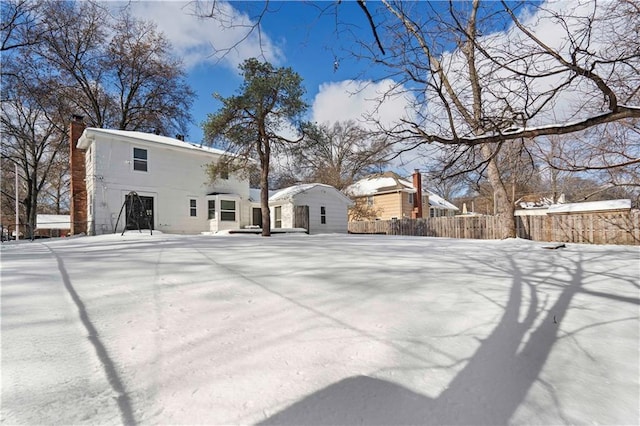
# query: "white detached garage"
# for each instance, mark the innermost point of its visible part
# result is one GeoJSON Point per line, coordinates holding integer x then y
{"type": "Point", "coordinates": [317, 207]}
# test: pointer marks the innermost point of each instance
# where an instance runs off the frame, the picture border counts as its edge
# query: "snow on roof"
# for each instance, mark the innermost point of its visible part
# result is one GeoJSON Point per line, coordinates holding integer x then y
{"type": "Point", "coordinates": [377, 184]}
{"type": "Point", "coordinates": [591, 206]}
{"type": "Point", "coordinates": [437, 201]}
{"type": "Point", "coordinates": [89, 134]}
{"type": "Point", "coordinates": [288, 193]}
{"type": "Point", "coordinates": [389, 181]}
{"type": "Point", "coordinates": [53, 221]}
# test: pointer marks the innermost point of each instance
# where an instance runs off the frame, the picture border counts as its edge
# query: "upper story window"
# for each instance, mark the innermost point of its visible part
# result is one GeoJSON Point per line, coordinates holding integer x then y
{"type": "Point", "coordinates": [224, 172]}
{"type": "Point", "coordinates": [323, 215]}
{"type": "Point", "coordinates": [410, 198]}
{"type": "Point", "coordinates": [140, 159]}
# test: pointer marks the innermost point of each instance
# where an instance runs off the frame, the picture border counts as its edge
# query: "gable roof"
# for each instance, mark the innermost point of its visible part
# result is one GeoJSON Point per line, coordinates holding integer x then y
{"type": "Point", "coordinates": [90, 134]}
{"type": "Point", "coordinates": [289, 193]}
{"type": "Point", "coordinates": [379, 184]}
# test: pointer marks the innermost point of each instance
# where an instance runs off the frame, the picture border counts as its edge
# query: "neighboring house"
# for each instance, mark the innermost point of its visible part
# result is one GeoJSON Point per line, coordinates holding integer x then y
{"type": "Point", "coordinates": [52, 225]}
{"type": "Point", "coordinates": [549, 208]}
{"type": "Point", "coordinates": [606, 206]}
{"type": "Point", "coordinates": [389, 196]}
{"type": "Point", "coordinates": [316, 207]}
{"type": "Point", "coordinates": [535, 205]}
{"type": "Point", "coordinates": [439, 207]}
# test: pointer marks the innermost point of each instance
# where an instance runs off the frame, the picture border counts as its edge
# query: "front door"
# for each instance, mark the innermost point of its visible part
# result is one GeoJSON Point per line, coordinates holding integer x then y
{"type": "Point", "coordinates": [139, 211]}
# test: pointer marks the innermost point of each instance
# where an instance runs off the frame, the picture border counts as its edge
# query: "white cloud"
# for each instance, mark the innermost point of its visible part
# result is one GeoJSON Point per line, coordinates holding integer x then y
{"type": "Point", "coordinates": [562, 26]}
{"type": "Point", "coordinates": [229, 39]}
{"type": "Point", "coordinates": [366, 102]}
{"type": "Point", "coordinates": [371, 104]}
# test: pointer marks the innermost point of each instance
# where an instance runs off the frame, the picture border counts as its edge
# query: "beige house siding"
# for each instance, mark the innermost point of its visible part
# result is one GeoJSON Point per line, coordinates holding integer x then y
{"type": "Point", "coordinates": [388, 205]}
{"type": "Point", "coordinates": [392, 205]}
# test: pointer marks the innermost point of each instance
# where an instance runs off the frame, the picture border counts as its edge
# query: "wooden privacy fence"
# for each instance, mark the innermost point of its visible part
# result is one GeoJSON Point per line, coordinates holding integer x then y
{"type": "Point", "coordinates": [594, 228]}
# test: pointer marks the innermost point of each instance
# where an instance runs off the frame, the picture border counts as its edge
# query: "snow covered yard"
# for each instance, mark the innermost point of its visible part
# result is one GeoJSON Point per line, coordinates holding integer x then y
{"type": "Point", "coordinates": [326, 329]}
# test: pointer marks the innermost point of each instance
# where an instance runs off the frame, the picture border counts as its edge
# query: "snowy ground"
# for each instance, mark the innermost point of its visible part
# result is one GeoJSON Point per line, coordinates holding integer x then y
{"type": "Point", "coordinates": [299, 329]}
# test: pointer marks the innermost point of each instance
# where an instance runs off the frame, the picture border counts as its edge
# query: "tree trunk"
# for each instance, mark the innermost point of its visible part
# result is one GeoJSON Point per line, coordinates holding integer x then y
{"type": "Point", "coordinates": [31, 206]}
{"type": "Point", "coordinates": [264, 192]}
{"type": "Point", "coordinates": [505, 209]}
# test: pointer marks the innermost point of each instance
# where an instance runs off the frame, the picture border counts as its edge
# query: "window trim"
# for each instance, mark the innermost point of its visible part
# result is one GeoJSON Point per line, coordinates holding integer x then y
{"type": "Point", "coordinates": [277, 217]}
{"type": "Point", "coordinates": [144, 161]}
{"type": "Point", "coordinates": [223, 210]}
{"type": "Point", "coordinates": [193, 207]}
{"type": "Point", "coordinates": [210, 209]}
{"type": "Point", "coordinates": [323, 215]}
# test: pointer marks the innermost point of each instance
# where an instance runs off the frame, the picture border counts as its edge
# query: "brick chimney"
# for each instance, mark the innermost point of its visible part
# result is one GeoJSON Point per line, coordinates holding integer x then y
{"type": "Point", "coordinates": [417, 198]}
{"type": "Point", "coordinates": [78, 178]}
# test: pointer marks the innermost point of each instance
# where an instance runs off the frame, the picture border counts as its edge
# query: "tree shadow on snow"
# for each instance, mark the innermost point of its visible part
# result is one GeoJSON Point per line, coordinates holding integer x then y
{"type": "Point", "coordinates": [487, 391]}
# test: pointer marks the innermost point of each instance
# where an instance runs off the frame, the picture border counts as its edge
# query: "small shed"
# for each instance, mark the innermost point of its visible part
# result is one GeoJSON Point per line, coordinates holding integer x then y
{"type": "Point", "coordinates": [317, 207]}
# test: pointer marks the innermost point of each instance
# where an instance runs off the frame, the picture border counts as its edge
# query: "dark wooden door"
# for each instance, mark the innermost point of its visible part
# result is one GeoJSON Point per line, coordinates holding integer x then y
{"type": "Point", "coordinates": [257, 217]}
{"type": "Point", "coordinates": [301, 217]}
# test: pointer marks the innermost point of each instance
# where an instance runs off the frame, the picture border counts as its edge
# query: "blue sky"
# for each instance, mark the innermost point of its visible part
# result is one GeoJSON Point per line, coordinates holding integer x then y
{"type": "Point", "coordinates": [309, 37]}
{"type": "Point", "coordinates": [300, 35]}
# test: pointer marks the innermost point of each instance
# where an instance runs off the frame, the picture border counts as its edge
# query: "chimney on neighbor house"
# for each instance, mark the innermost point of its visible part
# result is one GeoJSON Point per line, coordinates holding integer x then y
{"type": "Point", "coordinates": [417, 199]}
{"type": "Point", "coordinates": [78, 177]}
{"type": "Point", "coordinates": [180, 137]}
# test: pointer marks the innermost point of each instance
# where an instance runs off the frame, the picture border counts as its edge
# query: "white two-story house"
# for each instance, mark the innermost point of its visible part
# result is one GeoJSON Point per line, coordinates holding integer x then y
{"type": "Point", "coordinates": [169, 177]}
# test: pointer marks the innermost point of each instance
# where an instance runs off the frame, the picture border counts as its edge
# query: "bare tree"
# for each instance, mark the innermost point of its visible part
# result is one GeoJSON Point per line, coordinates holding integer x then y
{"type": "Point", "coordinates": [19, 24]}
{"type": "Point", "coordinates": [32, 138]}
{"type": "Point", "coordinates": [475, 86]}
{"type": "Point", "coordinates": [609, 155]}
{"type": "Point", "coordinates": [119, 72]}
{"type": "Point", "coordinates": [54, 196]}
{"type": "Point", "coordinates": [116, 72]}
{"type": "Point", "coordinates": [149, 86]}
{"type": "Point", "coordinates": [339, 154]}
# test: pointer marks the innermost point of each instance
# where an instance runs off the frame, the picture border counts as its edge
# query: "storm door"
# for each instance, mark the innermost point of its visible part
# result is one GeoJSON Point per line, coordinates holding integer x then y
{"type": "Point", "coordinates": [139, 212]}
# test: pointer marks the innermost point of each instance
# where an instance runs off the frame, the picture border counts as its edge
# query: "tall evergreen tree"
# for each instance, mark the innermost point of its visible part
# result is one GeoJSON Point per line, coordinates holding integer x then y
{"type": "Point", "coordinates": [252, 125]}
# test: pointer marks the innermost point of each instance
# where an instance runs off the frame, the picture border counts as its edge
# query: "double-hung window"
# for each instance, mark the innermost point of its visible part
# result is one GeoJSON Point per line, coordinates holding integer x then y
{"type": "Point", "coordinates": [140, 159]}
{"type": "Point", "coordinates": [323, 215]}
{"type": "Point", "coordinates": [227, 210]}
{"type": "Point", "coordinates": [278, 219]}
{"type": "Point", "coordinates": [193, 207]}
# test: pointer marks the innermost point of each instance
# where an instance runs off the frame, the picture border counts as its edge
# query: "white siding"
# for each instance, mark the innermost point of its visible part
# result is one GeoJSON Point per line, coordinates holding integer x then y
{"type": "Point", "coordinates": [335, 205]}
{"type": "Point", "coordinates": [174, 176]}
